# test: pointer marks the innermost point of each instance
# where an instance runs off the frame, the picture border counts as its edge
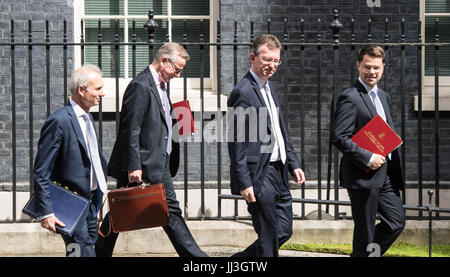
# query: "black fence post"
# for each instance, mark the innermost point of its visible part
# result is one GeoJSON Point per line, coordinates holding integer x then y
{"type": "Point", "coordinates": [100, 104]}
{"type": "Point", "coordinates": [133, 49]}
{"type": "Point", "coordinates": [402, 100]}
{"type": "Point", "coordinates": [47, 67]}
{"type": "Point", "coordinates": [185, 145]}
{"type": "Point", "coordinates": [335, 26]}
{"type": "Point", "coordinates": [65, 61]}
{"type": "Point", "coordinates": [82, 41]}
{"type": "Point", "coordinates": [430, 223]}
{"type": "Point", "coordinates": [286, 73]}
{"type": "Point", "coordinates": [202, 114]}
{"type": "Point", "coordinates": [151, 27]}
{"type": "Point", "coordinates": [235, 80]}
{"type": "Point", "coordinates": [117, 70]}
{"type": "Point", "coordinates": [302, 110]}
{"type": "Point", "coordinates": [384, 81]}
{"type": "Point", "coordinates": [13, 123]}
{"type": "Point", "coordinates": [30, 104]}
{"type": "Point", "coordinates": [219, 113]}
{"type": "Point", "coordinates": [352, 51]}
{"type": "Point", "coordinates": [319, 120]}
{"type": "Point", "coordinates": [419, 115]}
{"type": "Point", "coordinates": [436, 112]}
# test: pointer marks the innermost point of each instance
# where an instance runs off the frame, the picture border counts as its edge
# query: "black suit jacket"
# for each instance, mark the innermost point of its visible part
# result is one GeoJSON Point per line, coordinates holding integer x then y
{"type": "Point", "coordinates": [62, 157]}
{"type": "Point", "coordinates": [354, 109]}
{"type": "Point", "coordinates": [247, 162]}
{"type": "Point", "coordinates": [142, 138]}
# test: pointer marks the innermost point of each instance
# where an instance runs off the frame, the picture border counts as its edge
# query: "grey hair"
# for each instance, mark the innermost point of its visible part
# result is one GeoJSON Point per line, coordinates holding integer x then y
{"type": "Point", "coordinates": [80, 77]}
{"type": "Point", "coordinates": [171, 50]}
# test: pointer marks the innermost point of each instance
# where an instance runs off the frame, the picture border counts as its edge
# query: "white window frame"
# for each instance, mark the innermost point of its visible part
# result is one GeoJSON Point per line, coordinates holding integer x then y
{"type": "Point", "coordinates": [428, 81]}
{"type": "Point", "coordinates": [176, 85]}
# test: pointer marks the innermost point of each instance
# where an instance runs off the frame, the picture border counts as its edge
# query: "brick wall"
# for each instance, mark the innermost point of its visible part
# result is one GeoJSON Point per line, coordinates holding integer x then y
{"type": "Point", "coordinates": [243, 12]}
{"type": "Point", "coordinates": [55, 12]}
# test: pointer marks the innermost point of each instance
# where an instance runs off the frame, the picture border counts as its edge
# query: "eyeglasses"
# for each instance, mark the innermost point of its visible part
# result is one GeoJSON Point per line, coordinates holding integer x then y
{"type": "Point", "coordinates": [270, 60]}
{"type": "Point", "coordinates": [374, 68]}
{"type": "Point", "coordinates": [177, 69]}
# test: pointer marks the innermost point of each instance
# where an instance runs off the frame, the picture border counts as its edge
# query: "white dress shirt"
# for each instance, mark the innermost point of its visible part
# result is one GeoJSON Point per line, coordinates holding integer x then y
{"type": "Point", "coordinates": [158, 81]}
{"type": "Point", "coordinates": [276, 149]}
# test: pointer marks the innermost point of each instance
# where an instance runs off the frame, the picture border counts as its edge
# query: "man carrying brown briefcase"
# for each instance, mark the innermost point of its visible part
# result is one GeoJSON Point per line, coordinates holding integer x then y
{"type": "Point", "coordinates": [144, 152]}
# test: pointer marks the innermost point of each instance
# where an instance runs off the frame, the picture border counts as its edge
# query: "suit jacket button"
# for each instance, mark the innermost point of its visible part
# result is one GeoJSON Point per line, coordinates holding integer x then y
{"type": "Point", "coordinates": [165, 137]}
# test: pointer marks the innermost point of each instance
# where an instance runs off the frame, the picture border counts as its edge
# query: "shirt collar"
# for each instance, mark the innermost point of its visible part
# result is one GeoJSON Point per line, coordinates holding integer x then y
{"type": "Point", "coordinates": [369, 88]}
{"type": "Point", "coordinates": [259, 81]}
{"type": "Point", "coordinates": [77, 109]}
{"type": "Point", "coordinates": [155, 75]}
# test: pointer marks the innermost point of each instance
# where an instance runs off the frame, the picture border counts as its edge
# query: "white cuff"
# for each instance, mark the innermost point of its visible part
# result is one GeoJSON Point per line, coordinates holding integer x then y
{"type": "Point", "coordinates": [44, 216]}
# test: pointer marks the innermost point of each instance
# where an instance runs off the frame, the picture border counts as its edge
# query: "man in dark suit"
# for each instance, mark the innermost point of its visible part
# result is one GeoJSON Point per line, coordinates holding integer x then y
{"type": "Point", "coordinates": [373, 182]}
{"type": "Point", "coordinates": [144, 151]}
{"type": "Point", "coordinates": [259, 167]}
{"type": "Point", "coordinates": [68, 154]}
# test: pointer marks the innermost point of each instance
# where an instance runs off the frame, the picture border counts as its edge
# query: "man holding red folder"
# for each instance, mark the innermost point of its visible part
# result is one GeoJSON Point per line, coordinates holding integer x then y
{"type": "Point", "coordinates": [373, 181]}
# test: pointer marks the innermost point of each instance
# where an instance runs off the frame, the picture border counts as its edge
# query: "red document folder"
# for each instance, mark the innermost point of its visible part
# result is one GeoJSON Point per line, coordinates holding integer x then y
{"type": "Point", "coordinates": [185, 120]}
{"type": "Point", "coordinates": [377, 137]}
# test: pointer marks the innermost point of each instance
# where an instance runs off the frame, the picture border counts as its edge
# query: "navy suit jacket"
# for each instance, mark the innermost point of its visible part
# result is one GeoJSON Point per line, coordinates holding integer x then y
{"type": "Point", "coordinates": [354, 109]}
{"type": "Point", "coordinates": [142, 138]}
{"type": "Point", "coordinates": [62, 157]}
{"type": "Point", "coordinates": [247, 163]}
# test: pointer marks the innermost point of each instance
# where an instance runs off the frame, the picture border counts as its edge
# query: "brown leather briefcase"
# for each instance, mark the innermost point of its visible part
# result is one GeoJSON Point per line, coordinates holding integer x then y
{"type": "Point", "coordinates": [138, 207]}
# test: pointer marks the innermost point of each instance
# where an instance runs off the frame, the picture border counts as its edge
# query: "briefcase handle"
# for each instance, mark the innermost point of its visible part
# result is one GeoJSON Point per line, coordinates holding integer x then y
{"type": "Point", "coordinates": [100, 219]}
{"type": "Point", "coordinates": [100, 215]}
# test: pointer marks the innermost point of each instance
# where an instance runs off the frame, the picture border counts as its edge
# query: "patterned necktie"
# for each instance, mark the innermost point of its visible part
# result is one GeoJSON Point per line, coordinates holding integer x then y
{"type": "Point", "coordinates": [167, 116]}
{"type": "Point", "coordinates": [379, 107]}
{"type": "Point", "coordinates": [275, 123]}
{"type": "Point", "coordinates": [96, 165]}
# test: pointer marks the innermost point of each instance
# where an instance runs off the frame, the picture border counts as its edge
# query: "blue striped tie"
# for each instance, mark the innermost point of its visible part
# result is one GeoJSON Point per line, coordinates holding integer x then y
{"type": "Point", "coordinates": [379, 108]}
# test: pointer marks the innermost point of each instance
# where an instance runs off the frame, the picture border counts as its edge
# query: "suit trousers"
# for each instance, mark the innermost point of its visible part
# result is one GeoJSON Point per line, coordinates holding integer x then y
{"type": "Point", "coordinates": [177, 230]}
{"type": "Point", "coordinates": [366, 203]}
{"type": "Point", "coordinates": [271, 215]}
{"type": "Point", "coordinates": [81, 243]}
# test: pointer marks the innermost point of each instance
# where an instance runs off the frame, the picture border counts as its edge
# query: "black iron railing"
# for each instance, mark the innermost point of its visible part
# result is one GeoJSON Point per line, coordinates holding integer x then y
{"type": "Point", "coordinates": [328, 48]}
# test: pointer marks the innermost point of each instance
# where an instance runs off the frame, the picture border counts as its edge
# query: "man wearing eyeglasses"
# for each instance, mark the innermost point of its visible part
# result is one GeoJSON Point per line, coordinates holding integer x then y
{"type": "Point", "coordinates": [259, 169]}
{"type": "Point", "coordinates": [144, 151]}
